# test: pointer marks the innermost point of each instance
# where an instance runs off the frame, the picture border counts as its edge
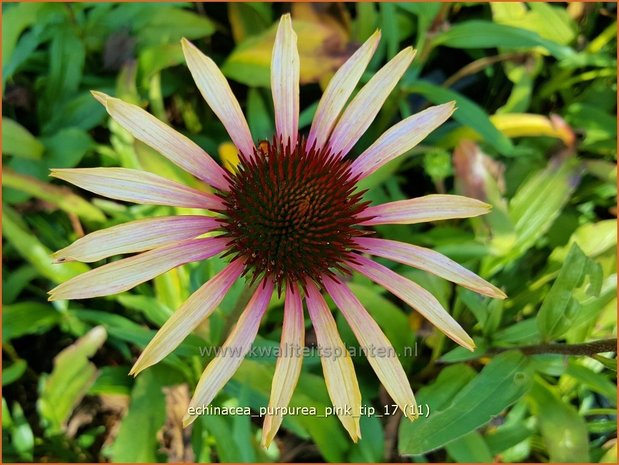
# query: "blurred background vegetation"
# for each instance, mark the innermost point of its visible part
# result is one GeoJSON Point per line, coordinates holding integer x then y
{"type": "Point", "coordinates": [534, 135]}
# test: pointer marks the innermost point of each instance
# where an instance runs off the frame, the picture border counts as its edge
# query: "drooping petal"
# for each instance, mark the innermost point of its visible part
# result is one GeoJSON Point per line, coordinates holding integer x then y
{"type": "Point", "coordinates": [135, 236]}
{"type": "Point", "coordinates": [423, 209]}
{"type": "Point", "coordinates": [218, 94]}
{"type": "Point", "coordinates": [339, 89]}
{"type": "Point", "coordinates": [428, 260]}
{"type": "Point", "coordinates": [285, 81]}
{"type": "Point", "coordinates": [400, 138]}
{"type": "Point", "coordinates": [337, 365]}
{"type": "Point", "coordinates": [374, 342]}
{"type": "Point", "coordinates": [127, 273]}
{"type": "Point", "coordinates": [367, 103]}
{"type": "Point", "coordinates": [161, 137]}
{"type": "Point", "coordinates": [415, 296]}
{"type": "Point", "coordinates": [288, 366]}
{"type": "Point", "coordinates": [232, 353]}
{"type": "Point", "coordinates": [137, 186]}
{"type": "Point", "coordinates": [183, 321]}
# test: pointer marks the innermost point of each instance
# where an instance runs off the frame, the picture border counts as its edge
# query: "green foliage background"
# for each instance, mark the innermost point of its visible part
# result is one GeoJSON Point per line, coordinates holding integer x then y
{"type": "Point", "coordinates": [549, 242]}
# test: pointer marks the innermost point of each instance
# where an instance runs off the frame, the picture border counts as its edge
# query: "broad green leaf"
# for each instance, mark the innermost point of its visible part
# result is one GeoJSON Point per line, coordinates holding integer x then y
{"type": "Point", "coordinates": [486, 34]}
{"type": "Point", "coordinates": [137, 440]}
{"type": "Point", "coordinates": [597, 382]}
{"type": "Point", "coordinates": [563, 430]}
{"type": "Point", "coordinates": [506, 437]}
{"type": "Point", "coordinates": [112, 380]}
{"type": "Point", "coordinates": [15, 20]}
{"type": "Point", "coordinates": [24, 318]}
{"type": "Point", "coordinates": [468, 113]}
{"type": "Point", "coordinates": [19, 142]}
{"type": "Point", "coordinates": [22, 437]}
{"type": "Point", "coordinates": [248, 19]}
{"type": "Point", "coordinates": [169, 25]}
{"type": "Point", "coordinates": [471, 448]}
{"type": "Point", "coordinates": [66, 148]}
{"type": "Point", "coordinates": [70, 379]}
{"type": "Point", "coordinates": [579, 277]}
{"type": "Point", "coordinates": [501, 383]}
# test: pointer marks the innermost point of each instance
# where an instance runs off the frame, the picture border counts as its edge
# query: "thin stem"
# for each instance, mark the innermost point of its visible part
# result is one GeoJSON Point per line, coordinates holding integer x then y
{"type": "Point", "coordinates": [586, 348]}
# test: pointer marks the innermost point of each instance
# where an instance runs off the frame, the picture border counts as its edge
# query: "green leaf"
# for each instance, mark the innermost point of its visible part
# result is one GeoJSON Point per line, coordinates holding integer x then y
{"type": "Point", "coordinates": [70, 379]}
{"type": "Point", "coordinates": [27, 318]}
{"type": "Point", "coordinates": [15, 20]}
{"type": "Point", "coordinates": [66, 148]}
{"type": "Point", "coordinates": [501, 383]}
{"type": "Point", "coordinates": [170, 25]}
{"type": "Point", "coordinates": [579, 276]}
{"type": "Point", "coordinates": [113, 380]}
{"type": "Point", "coordinates": [486, 34]}
{"type": "Point", "coordinates": [468, 113]}
{"type": "Point", "coordinates": [13, 372]}
{"type": "Point", "coordinates": [22, 437]}
{"type": "Point", "coordinates": [19, 142]}
{"type": "Point", "coordinates": [137, 437]}
{"type": "Point", "coordinates": [471, 448]}
{"type": "Point", "coordinates": [506, 437]}
{"type": "Point", "coordinates": [564, 432]}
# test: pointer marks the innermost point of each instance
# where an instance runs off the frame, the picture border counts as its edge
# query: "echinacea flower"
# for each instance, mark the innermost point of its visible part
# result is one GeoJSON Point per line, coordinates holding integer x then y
{"type": "Point", "coordinates": [290, 217]}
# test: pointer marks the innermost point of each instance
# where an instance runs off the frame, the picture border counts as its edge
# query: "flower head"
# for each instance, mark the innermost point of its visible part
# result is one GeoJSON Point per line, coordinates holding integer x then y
{"type": "Point", "coordinates": [290, 217]}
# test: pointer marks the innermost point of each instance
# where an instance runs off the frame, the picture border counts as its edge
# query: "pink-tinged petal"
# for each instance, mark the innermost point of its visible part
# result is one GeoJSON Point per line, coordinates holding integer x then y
{"type": "Point", "coordinates": [423, 209]}
{"type": "Point", "coordinates": [373, 342]}
{"type": "Point", "coordinates": [232, 353]}
{"type": "Point", "coordinates": [288, 366]}
{"type": "Point", "coordinates": [367, 103]}
{"type": "Point", "coordinates": [127, 273]}
{"type": "Point", "coordinates": [337, 93]}
{"type": "Point", "coordinates": [161, 137]}
{"type": "Point", "coordinates": [136, 236]}
{"type": "Point", "coordinates": [337, 365]}
{"type": "Point", "coordinates": [137, 186]}
{"type": "Point", "coordinates": [401, 138]}
{"type": "Point", "coordinates": [285, 81]}
{"type": "Point", "coordinates": [200, 305]}
{"type": "Point", "coordinates": [428, 260]}
{"type": "Point", "coordinates": [218, 94]}
{"type": "Point", "coordinates": [415, 296]}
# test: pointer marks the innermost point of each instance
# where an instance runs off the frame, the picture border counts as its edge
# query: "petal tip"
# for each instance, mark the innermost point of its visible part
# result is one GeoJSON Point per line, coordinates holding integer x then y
{"type": "Point", "coordinates": [100, 96]}
{"type": "Point", "coordinates": [188, 420]}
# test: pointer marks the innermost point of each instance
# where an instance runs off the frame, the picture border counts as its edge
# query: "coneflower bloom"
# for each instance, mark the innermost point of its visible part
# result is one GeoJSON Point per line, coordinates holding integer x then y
{"type": "Point", "coordinates": [289, 217]}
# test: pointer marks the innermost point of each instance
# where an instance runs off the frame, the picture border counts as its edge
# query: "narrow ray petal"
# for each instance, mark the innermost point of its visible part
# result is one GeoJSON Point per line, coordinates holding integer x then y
{"type": "Point", "coordinates": [161, 137]}
{"type": "Point", "coordinates": [200, 305]}
{"type": "Point", "coordinates": [135, 236]}
{"type": "Point", "coordinates": [428, 260]}
{"type": "Point", "coordinates": [423, 209]}
{"type": "Point", "coordinates": [285, 81]}
{"type": "Point", "coordinates": [232, 353]}
{"type": "Point", "coordinates": [337, 365]}
{"type": "Point", "coordinates": [288, 366]}
{"type": "Point", "coordinates": [415, 296]}
{"type": "Point", "coordinates": [137, 186]}
{"type": "Point", "coordinates": [218, 94]}
{"type": "Point", "coordinates": [365, 106]}
{"type": "Point", "coordinates": [127, 273]}
{"type": "Point", "coordinates": [373, 342]}
{"type": "Point", "coordinates": [340, 88]}
{"type": "Point", "coordinates": [400, 138]}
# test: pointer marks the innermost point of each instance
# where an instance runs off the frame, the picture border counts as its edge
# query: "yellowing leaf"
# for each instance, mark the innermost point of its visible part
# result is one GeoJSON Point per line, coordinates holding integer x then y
{"type": "Point", "coordinates": [323, 47]}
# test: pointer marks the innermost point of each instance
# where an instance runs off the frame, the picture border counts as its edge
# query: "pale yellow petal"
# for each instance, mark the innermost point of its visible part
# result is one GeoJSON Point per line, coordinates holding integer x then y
{"type": "Point", "coordinates": [428, 260]}
{"type": "Point", "coordinates": [161, 137]}
{"type": "Point", "coordinates": [127, 273]}
{"type": "Point", "coordinates": [336, 362]}
{"type": "Point", "coordinates": [367, 103]}
{"type": "Point", "coordinates": [339, 89]}
{"type": "Point", "coordinates": [137, 186]}
{"type": "Point", "coordinates": [377, 348]}
{"type": "Point", "coordinates": [285, 81]}
{"type": "Point", "coordinates": [415, 296]}
{"type": "Point", "coordinates": [218, 94]}
{"type": "Point", "coordinates": [423, 209]}
{"type": "Point", "coordinates": [183, 321]}
{"type": "Point", "coordinates": [288, 366]}
{"type": "Point", "coordinates": [232, 353]}
{"type": "Point", "coordinates": [400, 138]}
{"type": "Point", "coordinates": [135, 236]}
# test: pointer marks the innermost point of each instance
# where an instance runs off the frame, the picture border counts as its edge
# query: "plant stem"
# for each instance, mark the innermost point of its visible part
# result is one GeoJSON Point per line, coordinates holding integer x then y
{"type": "Point", "coordinates": [587, 348]}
